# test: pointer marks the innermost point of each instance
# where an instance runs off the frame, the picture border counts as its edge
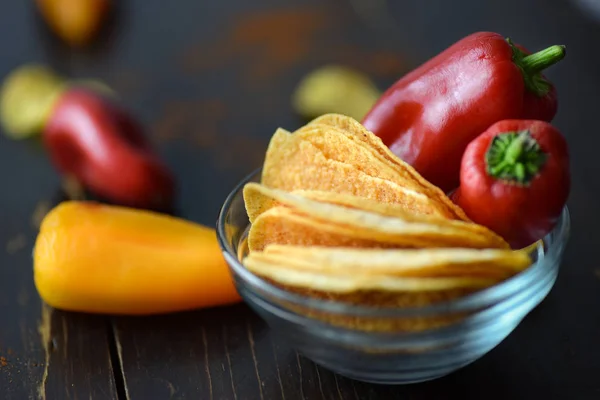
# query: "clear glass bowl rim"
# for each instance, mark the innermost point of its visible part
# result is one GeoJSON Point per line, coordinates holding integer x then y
{"type": "Point", "coordinates": [478, 300]}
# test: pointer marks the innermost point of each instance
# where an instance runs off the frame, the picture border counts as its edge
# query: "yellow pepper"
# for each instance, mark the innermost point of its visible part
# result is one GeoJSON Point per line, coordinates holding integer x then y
{"type": "Point", "coordinates": [97, 258]}
{"type": "Point", "coordinates": [77, 22]}
{"type": "Point", "coordinates": [335, 89]}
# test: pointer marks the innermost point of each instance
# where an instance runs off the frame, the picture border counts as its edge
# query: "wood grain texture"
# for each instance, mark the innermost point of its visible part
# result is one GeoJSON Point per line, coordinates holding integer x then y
{"type": "Point", "coordinates": [205, 354]}
{"type": "Point", "coordinates": [78, 357]}
{"type": "Point", "coordinates": [44, 354]}
{"type": "Point", "coordinates": [222, 353]}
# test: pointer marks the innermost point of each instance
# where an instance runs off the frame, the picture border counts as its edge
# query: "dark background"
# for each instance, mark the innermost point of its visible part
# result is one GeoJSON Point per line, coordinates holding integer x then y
{"type": "Point", "coordinates": [212, 81]}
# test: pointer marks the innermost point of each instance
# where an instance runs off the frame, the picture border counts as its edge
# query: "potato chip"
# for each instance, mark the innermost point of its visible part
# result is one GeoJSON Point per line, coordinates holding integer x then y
{"type": "Point", "coordinates": [390, 210]}
{"type": "Point", "coordinates": [300, 262]}
{"type": "Point", "coordinates": [399, 262]}
{"type": "Point", "coordinates": [278, 140]}
{"type": "Point", "coordinates": [350, 201]}
{"type": "Point", "coordinates": [322, 219]}
{"type": "Point", "coordinates": [356, 131]}
{"type": "Point", "coordinates": [323, 158]}
{"type": "Point", "coordinates": [305, 167]}
{"type": "Point", "coordinates": [282, 225]}
{"type": "Point", "coordinates": [379, 299]}
{"type": "Point", "coordinates": [336, 145]}
{"type": "Point", "coordinates": [345, 282]}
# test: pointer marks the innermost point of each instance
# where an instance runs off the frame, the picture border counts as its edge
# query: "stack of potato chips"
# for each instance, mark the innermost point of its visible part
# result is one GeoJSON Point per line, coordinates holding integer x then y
{"type": "Point", "coordinates": [337, 215]}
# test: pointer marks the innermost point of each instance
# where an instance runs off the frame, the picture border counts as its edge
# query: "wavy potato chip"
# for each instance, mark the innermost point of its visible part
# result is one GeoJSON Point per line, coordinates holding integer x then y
{"type": "Point", "coordinates": [344, 282]}
{"type": "Point", "coordinates": [399, 262]}
{"type": "Point", "coordinates": [321, 157]}
{"type": "Point", "coordinates": [300, 262]}
{"type": "Point", "coordinates": [351, 201]}
{"type": "Point", "coordinates": [309, 169]}
{"type": "Point", "coordinates": [407, 230]}
{"type": "Point", "coordinates": [336, 145]}
{"type": "Point", "coordinates": [356, 131]}
{"type": "Point", "coordinates": [283, 225]}
{"type": "Point", "coordinates": [390, 210]}
{"type": "Point", "coordinates": [330, 225]}
{"type": "Point", "coordinates": [379, 299]}
{"type": "Point", "coordinates": [279, 139]}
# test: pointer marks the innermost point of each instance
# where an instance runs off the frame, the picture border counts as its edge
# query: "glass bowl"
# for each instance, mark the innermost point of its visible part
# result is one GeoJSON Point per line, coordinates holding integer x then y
{"type": "Point", "coordinates": [390, 345]}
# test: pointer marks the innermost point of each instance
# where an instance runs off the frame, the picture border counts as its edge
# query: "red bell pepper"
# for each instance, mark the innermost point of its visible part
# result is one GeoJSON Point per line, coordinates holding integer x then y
{"type": "Point", "coordinates": [515, 179]}
{"type": "Point", "coordinates": [428, 117]}
{"type": "Point", "coordinates": [92, 138]}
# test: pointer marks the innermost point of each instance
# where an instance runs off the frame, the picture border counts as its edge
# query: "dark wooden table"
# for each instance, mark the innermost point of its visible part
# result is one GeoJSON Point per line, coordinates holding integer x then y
{"type": "Point", "coordinates": [212, 81]}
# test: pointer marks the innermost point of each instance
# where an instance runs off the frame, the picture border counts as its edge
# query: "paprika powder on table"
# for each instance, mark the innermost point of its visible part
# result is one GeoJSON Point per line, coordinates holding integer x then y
{"type": "Point", "coordinates": [429, 116]}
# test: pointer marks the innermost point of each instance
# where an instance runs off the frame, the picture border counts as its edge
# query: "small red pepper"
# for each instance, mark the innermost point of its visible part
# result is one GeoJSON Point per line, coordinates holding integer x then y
{"type": "Point", "coordinates": [92, 138]}
{"type": "Point", "coordinates": [515, 179]}
{"type": "Point", "coordinates": [428, 117]}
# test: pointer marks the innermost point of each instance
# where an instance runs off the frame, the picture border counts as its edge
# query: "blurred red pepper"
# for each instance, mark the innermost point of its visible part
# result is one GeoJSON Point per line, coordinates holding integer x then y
{"type": "Point", "coordinates": [92, 138]}
{"type": "Point", "coordinates": [428, 117]}
{"type": "Point", "coordinates": [515, 179]}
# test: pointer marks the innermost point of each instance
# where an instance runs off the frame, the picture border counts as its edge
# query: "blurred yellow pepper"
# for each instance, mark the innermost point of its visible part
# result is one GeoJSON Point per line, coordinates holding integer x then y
{"type": "Point", "coordinates": [75, 21]}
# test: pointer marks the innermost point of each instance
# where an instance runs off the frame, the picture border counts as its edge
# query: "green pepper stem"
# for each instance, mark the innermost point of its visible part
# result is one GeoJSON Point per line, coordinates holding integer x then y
{"type": "Point", "coordinates": [531, 66]}
{"type": "Point", "coordinates": [515, 157]}
{"type": "Point", "coordinates": [543, 59]}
